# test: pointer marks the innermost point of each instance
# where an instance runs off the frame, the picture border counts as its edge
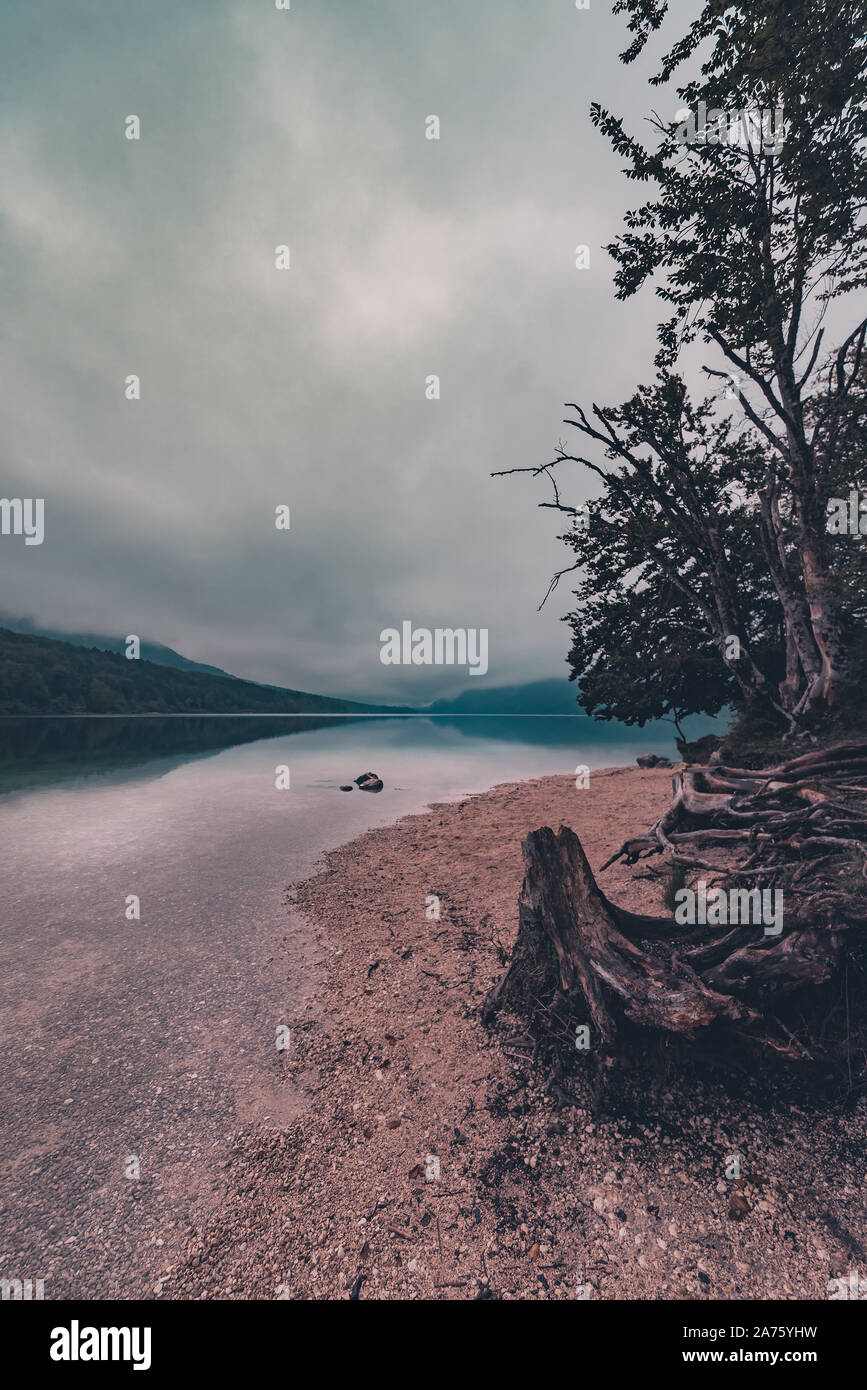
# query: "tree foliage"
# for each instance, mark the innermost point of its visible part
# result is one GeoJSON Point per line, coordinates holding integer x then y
{"type": "Point", "coordinates": [712, 518]}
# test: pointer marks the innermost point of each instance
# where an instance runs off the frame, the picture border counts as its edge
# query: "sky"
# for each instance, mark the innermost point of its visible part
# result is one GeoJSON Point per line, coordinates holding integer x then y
{"type": "Point", "coordinates": [306, 387]}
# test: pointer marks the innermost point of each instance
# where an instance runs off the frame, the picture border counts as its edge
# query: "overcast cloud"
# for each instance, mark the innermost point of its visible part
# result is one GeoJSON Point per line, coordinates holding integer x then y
{"type": "Point", "coordinates": [306, 387]}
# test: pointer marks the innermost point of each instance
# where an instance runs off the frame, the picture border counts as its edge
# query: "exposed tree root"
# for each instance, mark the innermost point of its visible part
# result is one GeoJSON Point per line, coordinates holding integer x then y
{"type": "Point", "coordinates": [797, 829]}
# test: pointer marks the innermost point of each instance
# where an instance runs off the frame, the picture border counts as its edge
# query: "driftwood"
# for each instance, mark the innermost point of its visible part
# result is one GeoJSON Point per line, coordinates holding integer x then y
{"type": "Point", "coordinates": [797, 828]}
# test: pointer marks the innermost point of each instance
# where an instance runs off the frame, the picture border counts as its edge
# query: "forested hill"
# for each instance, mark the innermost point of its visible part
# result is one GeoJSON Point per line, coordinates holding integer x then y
{"type": "Point", "coordinates": [41, 676]}
{"type": "Point", "coordinates": [149, 651]}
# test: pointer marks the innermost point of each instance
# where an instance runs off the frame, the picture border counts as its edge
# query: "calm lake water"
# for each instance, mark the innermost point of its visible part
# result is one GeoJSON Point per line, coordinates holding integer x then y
{"type": "Point", "coordinates": [82, 797]}
{"type": "Point", "coordinates": [155, 1037]}
{"type": "Point", "coordinates": [94, 809]}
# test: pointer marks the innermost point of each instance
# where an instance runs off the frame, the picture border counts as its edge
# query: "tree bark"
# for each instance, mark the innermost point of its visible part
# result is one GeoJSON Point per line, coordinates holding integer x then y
{"type": "Point", "coordinates": [802, 656]}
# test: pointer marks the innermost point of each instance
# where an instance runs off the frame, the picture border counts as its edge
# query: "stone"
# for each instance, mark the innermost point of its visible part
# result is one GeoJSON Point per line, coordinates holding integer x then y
{"type": "Point", "coordinates": [652, 760]}
{"type": "Point", "coordinates": [369, 782]}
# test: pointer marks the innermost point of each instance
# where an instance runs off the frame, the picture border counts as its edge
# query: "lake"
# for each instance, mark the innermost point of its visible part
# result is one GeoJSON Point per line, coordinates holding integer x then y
{"type": "Point", "coordinates": [152, 1038]}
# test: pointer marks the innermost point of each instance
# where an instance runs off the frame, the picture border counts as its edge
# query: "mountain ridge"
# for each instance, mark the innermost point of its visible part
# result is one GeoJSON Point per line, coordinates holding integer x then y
{"type": "Point", "coordinates": [43, 676]}
{"type": "Point", "coordinates": [549, 696]}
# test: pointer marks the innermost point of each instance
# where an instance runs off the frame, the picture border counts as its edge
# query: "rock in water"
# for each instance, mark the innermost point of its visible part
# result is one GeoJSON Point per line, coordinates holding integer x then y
{"type": "Point", "coordinates": [350, 788]}
{"type": "Point", "coordinates": [652, 760]}
{"type": "Point", "coordinates": [369, 782]}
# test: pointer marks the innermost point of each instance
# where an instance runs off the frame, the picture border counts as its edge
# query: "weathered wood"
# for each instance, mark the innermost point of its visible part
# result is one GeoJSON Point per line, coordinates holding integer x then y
{"type": "Point", "coordinates": [581, 957]}
{"type": "Point", "coordinates": [768, 807]}
{"type": "Point", "coordinates": [800, 958]}
{"type": "Point", "coordinates": [562, 909]}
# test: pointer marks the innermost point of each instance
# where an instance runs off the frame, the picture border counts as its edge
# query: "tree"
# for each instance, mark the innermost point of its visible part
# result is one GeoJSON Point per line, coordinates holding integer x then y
{"type": "Point", "coordinates": [755, 228]}
{"type": "Point", "coordinates": [671, 565]}
{"type": "Point", "coordinates": [706, 568]}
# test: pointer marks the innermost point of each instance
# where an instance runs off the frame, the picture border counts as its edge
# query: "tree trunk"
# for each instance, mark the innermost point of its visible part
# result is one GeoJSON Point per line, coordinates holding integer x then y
{"type": "Point", "coordinates": [802, 655]}
{"type": "Point", "coordinates": [824, 688]}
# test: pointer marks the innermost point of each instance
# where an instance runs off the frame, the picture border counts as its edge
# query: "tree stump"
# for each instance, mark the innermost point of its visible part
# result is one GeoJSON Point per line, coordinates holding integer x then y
{"type": "Point", "coordinates": [798, 828]}
{"type": "Point", "coordinates": [572, 948]}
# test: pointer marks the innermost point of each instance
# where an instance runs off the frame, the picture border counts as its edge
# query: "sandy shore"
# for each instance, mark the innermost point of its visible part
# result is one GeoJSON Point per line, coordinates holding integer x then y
{"type": "Point", "coordinates": [430, 1163]}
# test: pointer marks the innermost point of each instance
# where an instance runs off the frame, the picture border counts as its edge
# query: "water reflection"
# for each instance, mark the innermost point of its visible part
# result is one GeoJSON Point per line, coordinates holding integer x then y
{"type": "Point", "coordinates": [38, 752]}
